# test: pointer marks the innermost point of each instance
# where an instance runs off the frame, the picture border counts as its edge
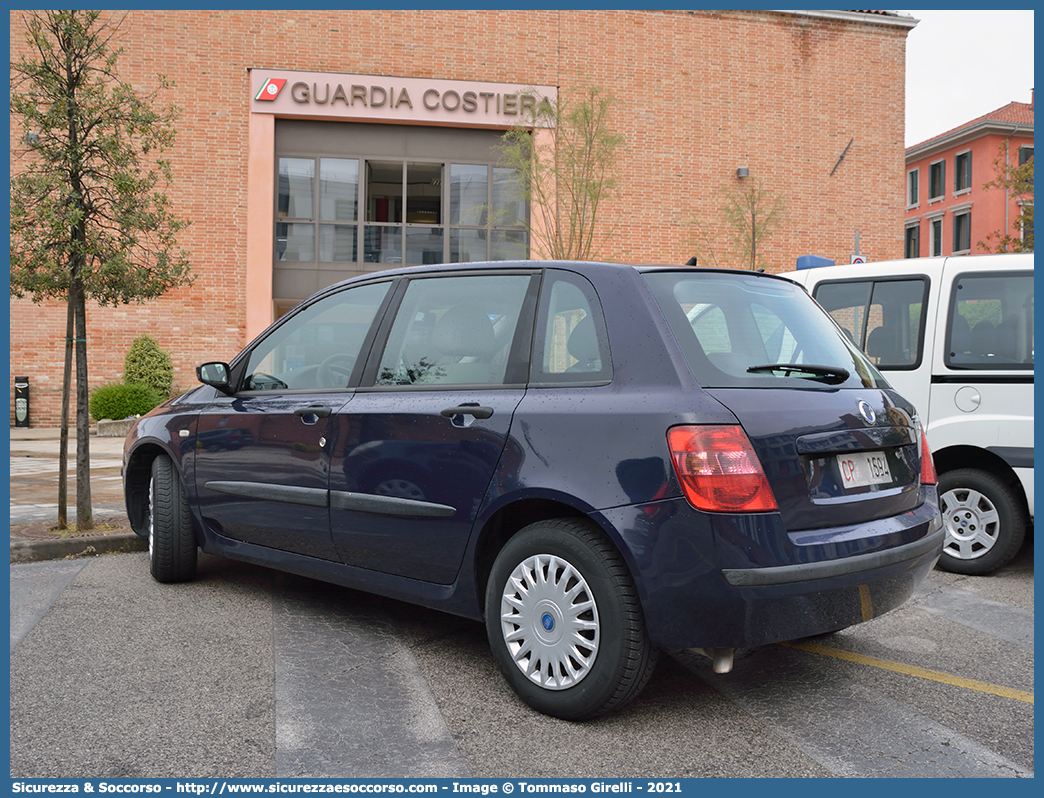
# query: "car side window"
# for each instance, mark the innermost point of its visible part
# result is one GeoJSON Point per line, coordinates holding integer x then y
{"type": "Point", "coordinates": [318, 346]}
{"type": "Point", "coordinates": [455, 331]}
{"type": "Point", "coordinates": [885, 318]}
{"type": "Point", "coordinates": [990, 323]}
{"type": "Point", "coordinates": [572, 344]}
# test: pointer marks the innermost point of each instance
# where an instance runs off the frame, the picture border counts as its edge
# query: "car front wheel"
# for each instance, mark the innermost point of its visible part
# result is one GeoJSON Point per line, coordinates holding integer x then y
{"type": "Point", "coordinates": [564, 621]}
{"type": "Point", "coordinates": [983, 519]}
{"type": "Point", "coordinates": [172, 543]}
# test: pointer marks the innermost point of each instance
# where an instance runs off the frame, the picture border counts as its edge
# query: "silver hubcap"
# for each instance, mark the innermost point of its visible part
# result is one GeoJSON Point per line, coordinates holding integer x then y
{"type": "Point", "coordinates": [972, 523]}
{"type": "Point", "coordinates": [550, 622]}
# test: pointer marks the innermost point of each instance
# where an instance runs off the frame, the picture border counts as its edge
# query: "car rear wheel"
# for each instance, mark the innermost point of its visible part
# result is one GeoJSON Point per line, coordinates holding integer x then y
{"type": "Point", "coordinates": [172, 543]}
{"type": "Point", "coordinates": [984, 522]}
{"type": "Point", "coordinates": [564, 621]}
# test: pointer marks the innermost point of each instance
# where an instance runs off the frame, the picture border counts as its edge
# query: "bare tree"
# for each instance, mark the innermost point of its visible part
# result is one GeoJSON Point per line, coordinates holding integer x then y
{"type": "Point", "coordinates": [748, 216]}
{"type": "Point", "coordinates": [565, 154]}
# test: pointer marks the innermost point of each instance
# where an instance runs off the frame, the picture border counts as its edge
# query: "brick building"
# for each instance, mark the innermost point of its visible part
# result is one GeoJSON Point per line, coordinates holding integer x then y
{"type": "Point", "coordinates": [294, 124]}
{"type": "Point", "coordinates": [948, 209]}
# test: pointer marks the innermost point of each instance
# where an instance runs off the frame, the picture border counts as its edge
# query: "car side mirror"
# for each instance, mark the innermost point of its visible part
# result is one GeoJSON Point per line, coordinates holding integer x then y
{"type": "Point", "coordinates": [215, 374]}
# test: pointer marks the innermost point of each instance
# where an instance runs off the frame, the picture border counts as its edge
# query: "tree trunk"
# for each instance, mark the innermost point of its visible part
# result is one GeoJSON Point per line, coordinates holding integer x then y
{"type": "Point", "coordinates": [84, 515]}
{"type": "Point", "coordinates": [63, 439]}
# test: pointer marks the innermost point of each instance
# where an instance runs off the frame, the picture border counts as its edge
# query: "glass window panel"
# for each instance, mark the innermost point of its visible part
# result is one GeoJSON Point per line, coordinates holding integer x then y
{"type": "Point", "coordinates": [846, 302]}
{"type": "Point", "coordinates": [318, 346]}
{"type": "Point", "coordinates": [572, 344]}
{"type": "Point", "coordinates": [913, 242]}
{"type": "Point", "coordinates": [468, 197]}
{"type": "Point", "coordinates": [384, 191]}
{"type": "Point", "coordinates": [382, 244]}
{"type": "Point", "coordinates": [424, 245]}
{"type": "Point", "coordinates": [962, 232]}
{"type": "Point", "coordinates": [724, 326]}
{"type": "Point", "coordinates": [991, 322]}
{"type": "Point", "coordinates": [424, 193]}
{"type": "Point", "coordinates": [467, 246]}
{"type": "Point", "coordinates": [509, 202]}
{"type": "Point", "coordinates": [295, 241]}
{"type": "Point", "coordinates": [893, 339]}
{"type": "Point", "coordinates": [337, 243]}
{"type": "Point", "coordinates": [338, 189]}
{"type": "Point", "coordinates": [454, 331]}
{"type": "Point", "coordinates": [508, 245]}
{"type": "Point", "coordinates": [296, 187]}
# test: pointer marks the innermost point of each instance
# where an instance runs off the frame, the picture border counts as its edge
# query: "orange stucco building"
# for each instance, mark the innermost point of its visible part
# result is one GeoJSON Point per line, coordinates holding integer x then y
{"type": "Point", "coordinates": [949, 211]}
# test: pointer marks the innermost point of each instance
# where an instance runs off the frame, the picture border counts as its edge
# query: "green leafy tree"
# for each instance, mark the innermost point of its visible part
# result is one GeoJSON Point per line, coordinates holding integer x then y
{"type": "Point", "coordinates": [748, 216]}
{"type": "Point", "coordinates": [89, 217]}
{"type": "Point", "coordinates": [565, 154]}
{"type": "Point", "coordinates": [1016, 181]}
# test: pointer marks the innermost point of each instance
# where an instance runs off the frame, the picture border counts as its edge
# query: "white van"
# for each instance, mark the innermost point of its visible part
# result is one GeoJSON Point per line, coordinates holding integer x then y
{"type": "Point", "coordinates": [954, 336]}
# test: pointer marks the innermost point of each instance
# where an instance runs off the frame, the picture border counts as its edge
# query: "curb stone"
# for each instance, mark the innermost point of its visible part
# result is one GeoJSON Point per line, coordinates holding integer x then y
{"type": "Point", "coordinates": [23, 551]}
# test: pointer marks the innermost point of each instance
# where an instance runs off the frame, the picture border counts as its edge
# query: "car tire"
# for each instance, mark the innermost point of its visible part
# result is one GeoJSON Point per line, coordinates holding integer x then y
{"type": "Point", "coordinates": [984, 521]}
{"type": "Point", "coordinates": [564, 621]}
{"type": "Point", "coordinates": [172, 542]}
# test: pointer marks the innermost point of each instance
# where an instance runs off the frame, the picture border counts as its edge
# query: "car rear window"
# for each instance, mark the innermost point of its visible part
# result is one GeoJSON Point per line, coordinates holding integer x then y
{"type": "Point", "coordinates": [730, 327]}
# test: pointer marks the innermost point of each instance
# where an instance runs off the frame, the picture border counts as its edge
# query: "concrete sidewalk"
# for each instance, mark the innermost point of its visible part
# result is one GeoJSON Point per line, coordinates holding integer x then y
{"type": "Point", "coordinates": [34, 495]}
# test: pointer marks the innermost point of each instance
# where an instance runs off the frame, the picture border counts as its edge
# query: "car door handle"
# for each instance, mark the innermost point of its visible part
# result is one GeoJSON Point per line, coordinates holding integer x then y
{"type": "Point", "coordinates": [478, 411]}
{"type": "Point", "coordinates": [319, 412]}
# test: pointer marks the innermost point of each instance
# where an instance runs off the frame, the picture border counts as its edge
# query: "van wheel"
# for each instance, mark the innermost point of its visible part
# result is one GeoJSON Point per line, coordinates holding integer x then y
{"type": "Point", "coordinates": [984, 522]}
{"type": "Point", "coordinates": [172, 543]}
{"type": "Point", "coordinates": [564, 621]}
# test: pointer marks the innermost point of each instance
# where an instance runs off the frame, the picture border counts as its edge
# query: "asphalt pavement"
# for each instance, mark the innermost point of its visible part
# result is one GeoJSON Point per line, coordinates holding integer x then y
{"type": "Point", "coordinates": [254, 673]}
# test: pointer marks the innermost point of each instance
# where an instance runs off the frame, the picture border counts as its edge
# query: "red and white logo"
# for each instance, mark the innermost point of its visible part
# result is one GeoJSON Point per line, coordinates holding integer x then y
{"type": "Point", "coordinates": [270, 90]}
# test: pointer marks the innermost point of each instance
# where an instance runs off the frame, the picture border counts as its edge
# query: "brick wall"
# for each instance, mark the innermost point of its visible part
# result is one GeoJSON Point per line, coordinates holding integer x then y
{"type": "Point", "coordinates": [700, 94]}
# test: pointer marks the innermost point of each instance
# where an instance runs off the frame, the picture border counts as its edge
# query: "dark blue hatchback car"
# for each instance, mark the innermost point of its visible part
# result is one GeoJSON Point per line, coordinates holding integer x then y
{"type": "Point", "coordinates": [598, 460]}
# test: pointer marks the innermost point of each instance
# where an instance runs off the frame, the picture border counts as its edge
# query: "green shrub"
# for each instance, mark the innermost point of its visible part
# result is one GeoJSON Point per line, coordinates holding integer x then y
{"type": "Point", "coordinates": [147, 364]}
{"type": "Point", "coordinates": [118, 400]}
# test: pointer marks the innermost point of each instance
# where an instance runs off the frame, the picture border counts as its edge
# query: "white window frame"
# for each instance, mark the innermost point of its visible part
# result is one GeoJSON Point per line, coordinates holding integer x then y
{"type": "Point", "coordinates": [932, 238]}
{"type": "Point", "coordinates": [914, 224]}
{"type": "Point", "coordinates": [966, 189]}
{"type": "Point", "coordinates": [941, 196]}
{"type": "Point", "coordinates": [911, 201]}
{"type": "Point", "coordinates": [956, 211]}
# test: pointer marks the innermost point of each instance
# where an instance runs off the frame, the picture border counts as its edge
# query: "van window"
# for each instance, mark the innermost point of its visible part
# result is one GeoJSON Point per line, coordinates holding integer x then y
{"type": "Point", "coordinates": [990, 323]}
{"type": "Point", "coordinates": [885, 318]}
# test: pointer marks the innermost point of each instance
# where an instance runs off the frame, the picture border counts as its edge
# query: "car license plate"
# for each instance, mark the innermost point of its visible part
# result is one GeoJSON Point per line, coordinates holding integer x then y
{"type": "Point", "coordinates": [862, 469]}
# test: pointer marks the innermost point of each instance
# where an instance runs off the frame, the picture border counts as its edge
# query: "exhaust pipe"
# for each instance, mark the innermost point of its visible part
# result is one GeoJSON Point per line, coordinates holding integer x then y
{"type": "Point", "coordinates": [722, 657]}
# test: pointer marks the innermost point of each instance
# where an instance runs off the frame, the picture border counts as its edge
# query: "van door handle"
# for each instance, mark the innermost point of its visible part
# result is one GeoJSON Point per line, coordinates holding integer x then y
{"type": "Point", "coordinates": [478, 411]}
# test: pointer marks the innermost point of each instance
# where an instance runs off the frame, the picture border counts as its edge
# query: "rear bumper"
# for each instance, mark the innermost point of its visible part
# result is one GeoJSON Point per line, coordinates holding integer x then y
{"type": "Point", "coordinates": [847, 566]}
{"type": "Point", "coordinates": [710, 581]}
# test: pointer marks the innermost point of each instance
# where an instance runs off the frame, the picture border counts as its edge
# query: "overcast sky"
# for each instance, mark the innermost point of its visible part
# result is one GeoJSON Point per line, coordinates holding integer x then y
{"type": "Point", "coordinates": [963, 64]}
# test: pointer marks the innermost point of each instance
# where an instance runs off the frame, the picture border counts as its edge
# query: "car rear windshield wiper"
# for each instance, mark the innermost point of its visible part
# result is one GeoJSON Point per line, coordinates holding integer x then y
{"type": "Point", "coordinates": [830, 374]}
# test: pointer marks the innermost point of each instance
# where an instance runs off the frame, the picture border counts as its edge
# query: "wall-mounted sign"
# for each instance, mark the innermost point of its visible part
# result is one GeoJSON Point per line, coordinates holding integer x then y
{"type": "Point", "coordinates": [389, 99]}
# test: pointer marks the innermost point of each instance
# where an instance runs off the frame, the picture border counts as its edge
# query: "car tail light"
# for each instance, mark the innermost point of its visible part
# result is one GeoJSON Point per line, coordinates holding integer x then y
{"type": "Point", "coordinates": [719, 470]}
{"type": "Point", "coordinates": [928, 475]}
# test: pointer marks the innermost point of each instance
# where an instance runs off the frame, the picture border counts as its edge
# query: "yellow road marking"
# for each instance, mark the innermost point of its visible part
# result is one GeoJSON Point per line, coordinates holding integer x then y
{"type": "Point", "coordinates": [865, 602]}
{"type": "Point", "coordinates": [913, 670]}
